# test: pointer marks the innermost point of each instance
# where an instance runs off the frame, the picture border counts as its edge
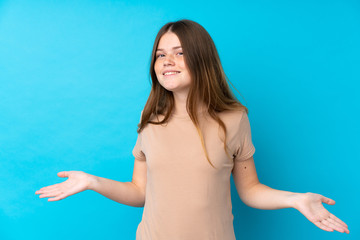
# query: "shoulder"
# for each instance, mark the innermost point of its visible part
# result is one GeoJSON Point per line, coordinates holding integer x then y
{"type": "Point", "coordinates": [154, 122]}
{"type": "Point", "coordinates": [235, 121]}
{"type": "Point", "coordinates": [232, 116]}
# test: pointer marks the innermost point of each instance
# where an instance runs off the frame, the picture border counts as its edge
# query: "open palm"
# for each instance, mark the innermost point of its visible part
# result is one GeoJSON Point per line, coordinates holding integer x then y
{"type": "Point", "coordinates": [77, 182]}
{"type": "Point", "coordinates": [310, 205]}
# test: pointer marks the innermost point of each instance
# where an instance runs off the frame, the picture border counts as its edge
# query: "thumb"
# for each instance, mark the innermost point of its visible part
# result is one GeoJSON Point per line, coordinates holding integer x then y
{"type": "Point", "coordinates": [327, 200]}
{"type": "Point", "coordinates": [63, 174]}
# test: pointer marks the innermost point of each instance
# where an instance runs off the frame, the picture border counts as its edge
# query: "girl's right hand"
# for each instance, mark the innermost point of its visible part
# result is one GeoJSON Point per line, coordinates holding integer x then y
{"type": "Point", "coordinates": [77, 182]}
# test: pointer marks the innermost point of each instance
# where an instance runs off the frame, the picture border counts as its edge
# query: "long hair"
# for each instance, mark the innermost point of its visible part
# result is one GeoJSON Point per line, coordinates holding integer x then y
{"type": "Point", "coordinates": [208, 80]}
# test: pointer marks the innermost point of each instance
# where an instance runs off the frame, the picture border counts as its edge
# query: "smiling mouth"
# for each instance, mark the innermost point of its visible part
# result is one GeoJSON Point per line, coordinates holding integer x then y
{"type": "Point", "coordinates": [171, 73]}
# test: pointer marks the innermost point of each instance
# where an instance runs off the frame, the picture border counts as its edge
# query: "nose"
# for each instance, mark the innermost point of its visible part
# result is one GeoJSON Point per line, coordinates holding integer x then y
{"type": "Point", "coordinates": [169, 60]}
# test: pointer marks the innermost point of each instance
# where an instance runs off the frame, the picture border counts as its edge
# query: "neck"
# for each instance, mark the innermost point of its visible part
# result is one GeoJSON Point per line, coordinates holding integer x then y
{"type": "Point", "coordinates": [180, 105]}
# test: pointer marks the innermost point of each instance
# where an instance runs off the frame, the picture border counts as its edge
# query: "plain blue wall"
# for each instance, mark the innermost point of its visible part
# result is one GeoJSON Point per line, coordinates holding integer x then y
{"type": "Point", "coordinates": [74, 78]}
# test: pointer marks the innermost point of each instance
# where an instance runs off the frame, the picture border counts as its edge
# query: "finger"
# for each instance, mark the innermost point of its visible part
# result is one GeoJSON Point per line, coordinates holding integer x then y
{"type": "Point", "coordinates": [48, 188]}
{"type": "Point", "coordinates": [327, 200]}
{"type": "Point", "coordinates": [332, 216]}
{"type": "Point", "coordinates": [339, 222]}
{"type": "Point", "coordinates": [57, 198]}
{"type": "Point", "coordinates": [332, 225]}
{"type": "Point", "coordinates": [323, 227]}
{"type": "Point", "coordinates": [63, 174]}
{"type": "Point", "coordinates": [50, 194]}
{"type": "Point", "coordinates": [340, 227]}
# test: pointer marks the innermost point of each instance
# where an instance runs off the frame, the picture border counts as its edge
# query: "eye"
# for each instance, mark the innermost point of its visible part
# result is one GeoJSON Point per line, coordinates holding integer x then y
{"type": "Point", "coordinates": [160, 55]}
{"type": "Point", "coordinates": [180, 53]}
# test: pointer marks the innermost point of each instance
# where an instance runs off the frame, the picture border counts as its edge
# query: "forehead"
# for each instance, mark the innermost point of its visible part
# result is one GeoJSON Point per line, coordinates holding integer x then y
{"type": "Point", "coordinates": [168, 41]}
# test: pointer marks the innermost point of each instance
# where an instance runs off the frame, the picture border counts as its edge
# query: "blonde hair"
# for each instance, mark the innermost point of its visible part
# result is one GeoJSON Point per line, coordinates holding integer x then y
{"type": "Point", "coordinates": [208, 80]}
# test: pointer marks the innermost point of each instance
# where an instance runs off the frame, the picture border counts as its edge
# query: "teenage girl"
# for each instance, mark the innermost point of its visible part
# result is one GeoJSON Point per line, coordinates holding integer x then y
{"type": "Point", "coordinates": [193, 135]}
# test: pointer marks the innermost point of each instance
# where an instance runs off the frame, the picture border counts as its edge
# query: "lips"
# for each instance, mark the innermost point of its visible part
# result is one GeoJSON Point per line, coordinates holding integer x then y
{"type": "Point", "coordinates": [170, 72]}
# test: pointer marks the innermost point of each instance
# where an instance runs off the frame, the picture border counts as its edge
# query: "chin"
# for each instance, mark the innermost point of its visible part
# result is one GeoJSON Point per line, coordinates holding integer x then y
{"type": "Point", "coordinates": [169, 87]}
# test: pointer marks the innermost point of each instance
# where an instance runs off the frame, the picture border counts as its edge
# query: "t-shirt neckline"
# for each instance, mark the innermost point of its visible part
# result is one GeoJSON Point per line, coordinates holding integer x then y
{"type": "Point", "coordinates": [187, 116]}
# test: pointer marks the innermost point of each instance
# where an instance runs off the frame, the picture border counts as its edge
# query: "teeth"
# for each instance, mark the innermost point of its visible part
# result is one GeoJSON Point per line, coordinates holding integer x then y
{"type": "Point", "coordinates": [169, 73]}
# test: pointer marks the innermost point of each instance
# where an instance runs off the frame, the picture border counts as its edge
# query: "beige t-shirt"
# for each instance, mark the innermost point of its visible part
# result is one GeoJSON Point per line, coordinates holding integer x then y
{"type": "Point", "coordinates": [186, 198]}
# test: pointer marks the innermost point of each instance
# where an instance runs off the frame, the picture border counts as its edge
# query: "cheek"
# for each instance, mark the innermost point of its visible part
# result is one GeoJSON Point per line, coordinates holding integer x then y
{"type": "Point", "coordinates": [189, 80]}
{"type": "Point", "coordinates": [185, 69]}
{"type": "Point", "coordinates": [157, 68]}
{"type": "Point", "coordinates": [187, 77]}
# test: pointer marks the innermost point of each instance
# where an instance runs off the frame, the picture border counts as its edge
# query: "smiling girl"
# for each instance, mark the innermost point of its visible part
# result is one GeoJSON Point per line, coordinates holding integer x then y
{"type": "Point", "coordinates": [193, 135]}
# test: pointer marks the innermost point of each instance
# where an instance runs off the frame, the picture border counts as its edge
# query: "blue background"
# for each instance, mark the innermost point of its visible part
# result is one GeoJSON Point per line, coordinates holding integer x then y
{"type": "Point", "coordinates": [74, 79]}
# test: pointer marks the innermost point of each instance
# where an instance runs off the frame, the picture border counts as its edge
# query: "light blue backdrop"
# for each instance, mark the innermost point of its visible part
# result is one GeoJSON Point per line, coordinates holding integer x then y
{"type": "Point", "coordinates": [74, 78]}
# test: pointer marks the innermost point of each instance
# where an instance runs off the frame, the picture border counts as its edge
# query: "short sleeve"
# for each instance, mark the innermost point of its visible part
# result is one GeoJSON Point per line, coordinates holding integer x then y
{"type": "Point", "coordinates": [137, 152]}
{"type": "Point", "coordinates": [245, 148]}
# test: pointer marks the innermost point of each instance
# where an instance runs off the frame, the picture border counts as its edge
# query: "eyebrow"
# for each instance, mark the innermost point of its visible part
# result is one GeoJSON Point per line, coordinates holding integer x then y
{"type": "Point", "coordinates": [160, 49]}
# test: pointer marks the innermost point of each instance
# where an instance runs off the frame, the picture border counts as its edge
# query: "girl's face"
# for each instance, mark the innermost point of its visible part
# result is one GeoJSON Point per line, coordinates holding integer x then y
{"type": "Point", "coordinates": [170, 68]}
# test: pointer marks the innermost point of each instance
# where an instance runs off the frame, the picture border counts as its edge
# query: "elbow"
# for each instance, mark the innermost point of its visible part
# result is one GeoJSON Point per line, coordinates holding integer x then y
{"type": "Point", "coordinates": [141, 202]}
{"type": "Point", "coordinates": [246, 200]}
{"type": "Point", "coordinates": [249, 195]}
{"type": "Point", "coordinates": [140, 196]}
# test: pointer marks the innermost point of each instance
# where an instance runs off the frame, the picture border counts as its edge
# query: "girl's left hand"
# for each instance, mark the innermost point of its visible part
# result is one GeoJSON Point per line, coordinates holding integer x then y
{"type": "Point", "coordinates": [310, 205]}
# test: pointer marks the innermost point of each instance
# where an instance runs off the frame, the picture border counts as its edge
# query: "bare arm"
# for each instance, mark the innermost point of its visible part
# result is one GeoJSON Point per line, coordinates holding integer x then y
{"type": "Point", "coordinates": [253, 193]}
{"type": "Point", "coordinates": [129, 193]}
{"type": "Point", "coordinates": [257, 195]}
